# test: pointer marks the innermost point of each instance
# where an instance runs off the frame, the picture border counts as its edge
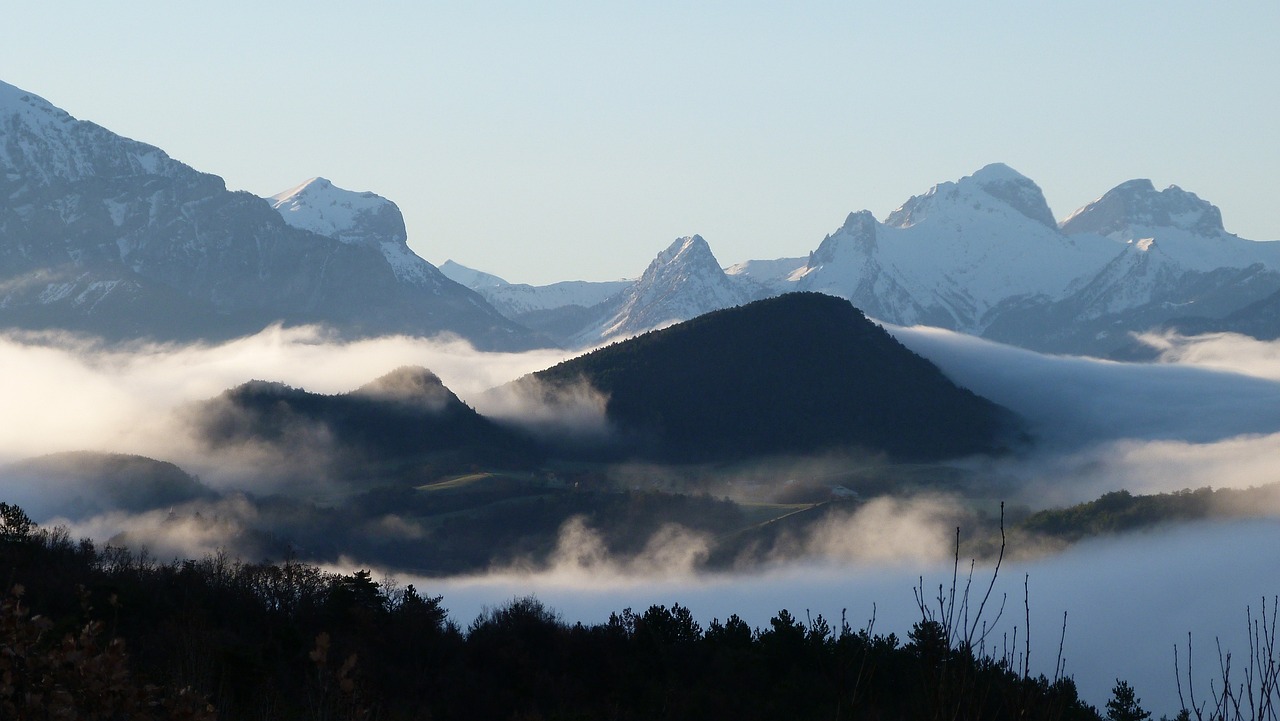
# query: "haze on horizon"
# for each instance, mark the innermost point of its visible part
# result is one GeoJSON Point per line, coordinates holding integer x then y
{"type": "Point", "coordinates": [573, 142]}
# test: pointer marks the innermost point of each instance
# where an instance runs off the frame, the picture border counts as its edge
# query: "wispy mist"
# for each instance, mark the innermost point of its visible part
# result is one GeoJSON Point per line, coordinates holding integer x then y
{"type": "Point", "coordinates": [574, 413]}
{"type": "Point", "coordinates": [1071, 401]}
{"type": "Point", "coordinates": [1192, 420]}
{"type": "Point", "coordinates": [66, 393]}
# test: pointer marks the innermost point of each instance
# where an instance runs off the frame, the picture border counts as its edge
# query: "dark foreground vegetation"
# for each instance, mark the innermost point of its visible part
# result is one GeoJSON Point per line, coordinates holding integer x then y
{"type": "Point", "coordinates": [103, 633]}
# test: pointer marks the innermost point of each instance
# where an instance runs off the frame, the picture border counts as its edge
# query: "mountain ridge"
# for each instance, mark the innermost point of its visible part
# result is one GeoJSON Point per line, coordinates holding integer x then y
{"type": "Point", "coordinates": [96, 229]}
{"type": "Point", "coordinates": [793, 374]}
{"type": "Point", "coordinates": [983, 255]}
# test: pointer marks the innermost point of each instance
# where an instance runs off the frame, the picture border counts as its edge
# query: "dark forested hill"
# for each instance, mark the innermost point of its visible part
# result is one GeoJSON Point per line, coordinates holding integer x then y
{"type": "Point", "coordinates": [399, 422]}
{"type": "Point", "coordinates": [798, 373]}
{"type": "Point", "coordinates": [80, 484]}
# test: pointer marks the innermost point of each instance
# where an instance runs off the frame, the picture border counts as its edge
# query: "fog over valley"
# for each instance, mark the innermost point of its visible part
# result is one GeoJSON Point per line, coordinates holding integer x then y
{"type": "Point", "coordinates": [639, 361]}
{"type": "Point", "coordinates": [1206, 414]}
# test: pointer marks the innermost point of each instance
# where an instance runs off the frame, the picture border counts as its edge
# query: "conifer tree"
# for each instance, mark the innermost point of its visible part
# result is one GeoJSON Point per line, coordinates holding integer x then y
{"type": "Point", "coordinates": [1125, 705]}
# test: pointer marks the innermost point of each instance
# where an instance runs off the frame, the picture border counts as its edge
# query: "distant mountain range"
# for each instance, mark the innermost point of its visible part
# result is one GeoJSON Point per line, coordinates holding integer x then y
{"type": "Point", "coordinates": [109, 236]}
{"type": "Point", "coordinates": [982, 255]}
{"type": "Point", "coordinates": [102, 234]}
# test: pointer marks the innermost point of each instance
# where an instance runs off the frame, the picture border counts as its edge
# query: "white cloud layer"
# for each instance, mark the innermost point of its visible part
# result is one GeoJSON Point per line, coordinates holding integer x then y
{"type": "Point", "coordinates": [64, 393]}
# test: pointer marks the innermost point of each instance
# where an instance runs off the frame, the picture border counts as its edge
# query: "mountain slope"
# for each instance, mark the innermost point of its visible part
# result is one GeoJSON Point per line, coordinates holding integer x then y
{"type": "Point", "coordinates": [1260, 319]}
{"type": "Point", "coordinates": [799, 373]}
{"type": "Point", "coordinates": [982, 255]}
{"type": "Point", "coordinates": [82, 484]}
{"type": "Point", "coordinates": [98, 232]}
{"type": "Point", "coordinates": [1175, 260]}
{"type": "Point", "coordinates": [402, 426]}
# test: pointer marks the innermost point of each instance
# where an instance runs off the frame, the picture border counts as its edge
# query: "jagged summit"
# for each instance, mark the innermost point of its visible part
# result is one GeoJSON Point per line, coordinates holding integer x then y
{"type": "Point", "coordinates": [684, 280]}
{"type": "Point", "coordinates": [686, 260]}
{"type": "Point", "coordinates": [689, 249]}
{"type": "Point", "coordinates": [323, 208]}
{"type": "Point", "coordinates": [857, 235]}
{"type": "Point", "coordinates": [1137, 204]}
{"type": "Point", "coordinates": [858, 222]}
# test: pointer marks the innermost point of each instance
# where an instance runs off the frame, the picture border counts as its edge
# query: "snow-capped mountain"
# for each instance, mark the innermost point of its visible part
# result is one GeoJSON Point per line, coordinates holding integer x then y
{"type": "Point", "coordinates": [363, 219]}
{"type": "Point", "coordinates": [355, 218]}
{"type": "Point", "coordinates": [104, 234]}
{"type": "Point", "coordinates": [951, 256]}
{"type": "Point", "coordinates": [1175, 259]}
{"type": "Point", "coordinates": [683, 282]}
{"type": "Point", "coordinates": [983, 255]}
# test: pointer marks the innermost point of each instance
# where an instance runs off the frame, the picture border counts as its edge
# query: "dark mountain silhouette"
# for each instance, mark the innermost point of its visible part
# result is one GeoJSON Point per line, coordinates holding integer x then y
{"type": "Point", "coordinates": [402, 423]}
{"type": "Point", "coordinates": [798, 373]}
{"type": "Point", "coordinates": [82, 483]}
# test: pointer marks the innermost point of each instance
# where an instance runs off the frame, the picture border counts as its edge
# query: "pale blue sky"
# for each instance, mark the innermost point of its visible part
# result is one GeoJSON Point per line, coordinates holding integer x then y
{"type": "Point", "coordinates": [575, 140]}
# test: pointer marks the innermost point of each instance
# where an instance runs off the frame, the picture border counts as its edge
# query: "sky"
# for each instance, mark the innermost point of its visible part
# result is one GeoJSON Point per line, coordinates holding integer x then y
{"type": "Point", "coordinates": [570, 140]}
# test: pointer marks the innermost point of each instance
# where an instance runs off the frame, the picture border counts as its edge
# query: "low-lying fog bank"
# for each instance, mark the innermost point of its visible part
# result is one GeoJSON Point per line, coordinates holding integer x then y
{"type": "Point", "coordinates": [1128, 601]}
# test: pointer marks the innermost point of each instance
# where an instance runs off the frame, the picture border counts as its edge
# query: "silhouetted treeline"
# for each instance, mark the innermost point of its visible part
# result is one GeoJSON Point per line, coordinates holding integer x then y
{"type": "Point", "coordinates": [1120, 511]}
{"type": "Point", "coordinates": [290, 641]}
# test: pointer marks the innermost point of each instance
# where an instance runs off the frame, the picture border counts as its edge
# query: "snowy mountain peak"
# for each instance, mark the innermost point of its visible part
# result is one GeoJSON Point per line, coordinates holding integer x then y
{"type": "Point", "coordinates": [998, 173]}
{"type": "Point", "coordinates": [858, 235]}
{"type": "Point", "coordinates": [1137, 204]}
{"type": "Point", "coordinates": [323, 208]}
{"type": "Point", "coordinates": [684, 281]}
{"type": "Point", "coordinates": [858, 223]}
{"type": "Point", "coordinates": [689, 249]}
{"type": "Point", "coordinates": [993, 185]}
{"type": "Point", "coordinates": [1016, 190]}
